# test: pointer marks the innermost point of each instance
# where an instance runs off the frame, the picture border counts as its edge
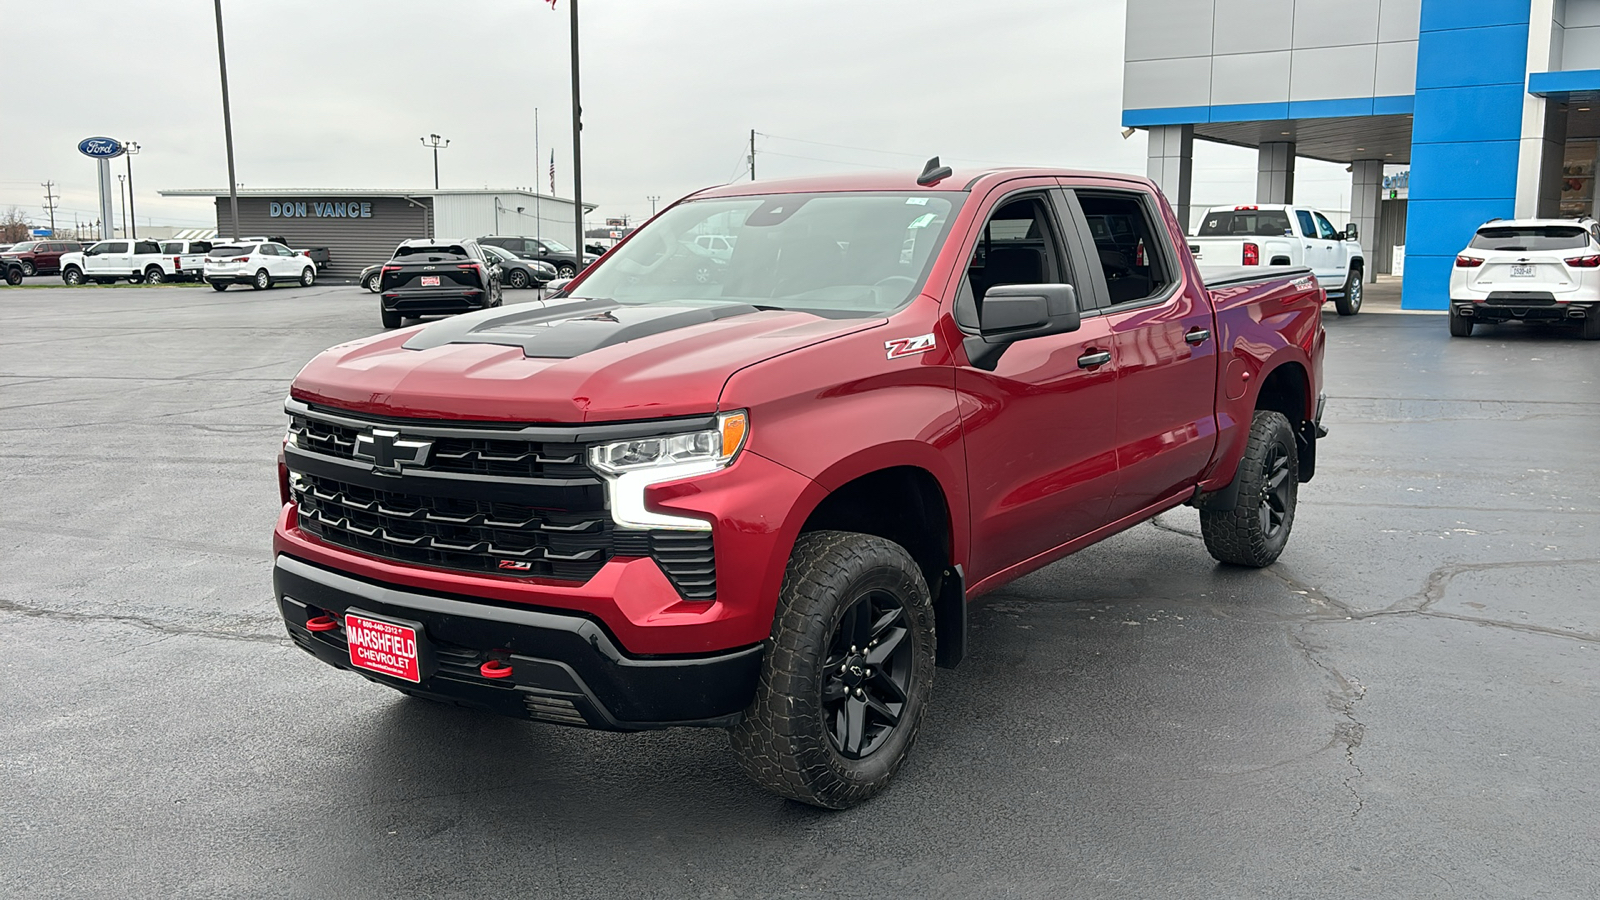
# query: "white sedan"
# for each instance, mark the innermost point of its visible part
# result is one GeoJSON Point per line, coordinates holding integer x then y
{"type": "Point", "coordinates": [1529, 269]}
{"type": "Point", "coordinates": [260, 265]}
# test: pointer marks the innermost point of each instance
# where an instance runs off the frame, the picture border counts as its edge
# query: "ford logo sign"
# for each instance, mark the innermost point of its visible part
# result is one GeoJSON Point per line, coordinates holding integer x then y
{"type": "Point", "coordinates": [101, 147]}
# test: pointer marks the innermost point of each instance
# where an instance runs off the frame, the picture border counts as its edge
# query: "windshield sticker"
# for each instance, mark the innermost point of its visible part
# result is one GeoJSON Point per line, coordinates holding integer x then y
{"type": "Point", "coordinates": [916, 201]}
{"type": "Point", "coordinates": [909, 346]}
{"type": "Point", "coordinates": [922, 220]}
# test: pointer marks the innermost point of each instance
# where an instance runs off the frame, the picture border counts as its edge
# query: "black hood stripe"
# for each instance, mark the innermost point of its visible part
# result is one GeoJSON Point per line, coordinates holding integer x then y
{"type": "Point", "coordinates": [569, 328]}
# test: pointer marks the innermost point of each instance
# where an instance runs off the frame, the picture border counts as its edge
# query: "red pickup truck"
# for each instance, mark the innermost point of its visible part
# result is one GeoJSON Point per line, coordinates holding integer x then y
{"type": "Point", "coordinates": [762, 502]}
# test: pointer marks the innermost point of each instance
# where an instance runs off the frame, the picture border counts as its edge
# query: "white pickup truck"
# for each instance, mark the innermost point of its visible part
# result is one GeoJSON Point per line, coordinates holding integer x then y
{"type": "Point", "coordinates": [1269, 234]}
{"type": "Point", "coordinates": [137, 261]}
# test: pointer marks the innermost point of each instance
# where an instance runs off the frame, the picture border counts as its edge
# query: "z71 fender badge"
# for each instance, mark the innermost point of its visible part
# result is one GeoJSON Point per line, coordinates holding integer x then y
{"type": "Point", "coordinates": [909, 346]}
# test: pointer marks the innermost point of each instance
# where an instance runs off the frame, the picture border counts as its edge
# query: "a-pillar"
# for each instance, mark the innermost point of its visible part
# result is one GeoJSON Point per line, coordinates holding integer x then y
{"type": "Point", "coordinates": [1366, 193]}
{"type": "Point", "coordinates": [1275, 172]}
{"type": "Point", "coordinates": [1171, 166]}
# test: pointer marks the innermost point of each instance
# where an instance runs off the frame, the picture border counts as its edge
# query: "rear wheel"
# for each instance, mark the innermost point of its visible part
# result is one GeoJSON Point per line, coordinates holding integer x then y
{"type": "Point", "coordinates": [154, 275]}
{"type": "Point", "coordinates": [1256, 530]}
{"type": "Point", "coordinates": [308, 276]}
{"type": "Point", "coordinates": [850, 669]}
{"type": "Point", "coordinates": [1591, 328]}
{"type": "Point", "coordinates": [219, 285]}
{"type": "Point", "coordinates": [262, 281]}
{"type": "Point", "coordinates": [371, 282]}
{"type": "Point", "coordinates": [391, 319]}
{"type": "Point", "coordinates": [1460, 326]}
{"type": "Point", "coordinates": [1350, 303]}
{"type": "Point", "coordinates": [567, 270]}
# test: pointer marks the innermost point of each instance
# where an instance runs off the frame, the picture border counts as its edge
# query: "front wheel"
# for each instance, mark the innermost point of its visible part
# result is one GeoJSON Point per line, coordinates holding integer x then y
{"type": "Point", "coordinates": [308, 276]}
{"type": "Point", "coordinates": [1460, 326]}
{"type": "Point", "coordinates": [71, 275]}
{"type": "Point", "coordinates": [14, 275]}
{"type": "Point", "coordinates": [1350, 303]}
{"type": "Point", "coordinates": [1256, 530]}
{"type": "Point", "coordinates": [262, 281]}
{"type": "Point", "coordinates": [848, 675]}
{"type": "Point", "coordinates": [28, 271]}
{"type": "Point", "coordinates": [154, 275]}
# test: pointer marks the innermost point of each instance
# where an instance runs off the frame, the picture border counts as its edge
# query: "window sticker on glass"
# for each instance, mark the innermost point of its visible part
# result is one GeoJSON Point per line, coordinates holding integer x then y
{"type": "Point", "coordinates": [916, 201]}
{"type": "Point", "coordinates": [922, 221]}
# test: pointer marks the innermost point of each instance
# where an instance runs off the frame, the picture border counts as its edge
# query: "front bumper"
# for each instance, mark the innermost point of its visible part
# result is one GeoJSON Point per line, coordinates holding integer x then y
{"type": "Point", "coordinates": [564, 668]}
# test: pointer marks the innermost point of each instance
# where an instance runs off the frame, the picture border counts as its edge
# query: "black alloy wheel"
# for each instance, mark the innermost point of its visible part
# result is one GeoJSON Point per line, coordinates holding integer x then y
{"type": "Point", "coordinates": [1276, 495]}
{"type": "Point", "coordinates": [867, 671]}
{"type": "Point", "coordinates": [1256, 529]}
{"type": "Point", "coordinates": [518, 278]}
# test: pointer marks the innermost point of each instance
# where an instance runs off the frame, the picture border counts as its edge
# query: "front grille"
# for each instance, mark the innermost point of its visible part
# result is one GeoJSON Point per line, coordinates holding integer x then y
{"type": "Point", "coordinates": [479, 503]}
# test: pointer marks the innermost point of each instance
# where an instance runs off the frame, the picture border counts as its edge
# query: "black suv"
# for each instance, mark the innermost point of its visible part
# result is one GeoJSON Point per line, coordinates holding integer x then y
{"type": "Point", "coordinates": [436, 278]}
{"type": "Point", "coordinates": [553, 252]}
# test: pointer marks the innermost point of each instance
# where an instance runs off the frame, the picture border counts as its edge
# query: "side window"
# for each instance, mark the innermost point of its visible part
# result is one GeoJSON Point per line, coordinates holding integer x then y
{"type": "Point", "coordinates": [200, 247]}
{"type": "Point", "coordinates": [1018, 245]}
{"type": "Point", "coordinates": [1325, 229]}
{"type": "Point", "coordinates": [1132, 255]}
{"type": "Point", "coordinates": [172, 247]}
{"type": "Point", "coordinates": [146, 247]}
{"type": "Point", "coordinates": [1307, 227]}
{"type": "Point", "coordinates": [117, 247]}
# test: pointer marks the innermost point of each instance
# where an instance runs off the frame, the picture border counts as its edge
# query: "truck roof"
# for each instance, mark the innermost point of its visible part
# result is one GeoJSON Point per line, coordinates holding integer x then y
{"type": "Point", "coordinates": [960, 180]}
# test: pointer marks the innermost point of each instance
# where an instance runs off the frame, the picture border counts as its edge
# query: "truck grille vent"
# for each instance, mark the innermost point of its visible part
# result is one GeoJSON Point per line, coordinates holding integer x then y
{"type": "Point", "coordinates": [469, 456]}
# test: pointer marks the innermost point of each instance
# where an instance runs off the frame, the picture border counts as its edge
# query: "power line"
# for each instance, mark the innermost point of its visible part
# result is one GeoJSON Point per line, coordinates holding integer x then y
{"type": "Point", "coordinates": [837, 162]}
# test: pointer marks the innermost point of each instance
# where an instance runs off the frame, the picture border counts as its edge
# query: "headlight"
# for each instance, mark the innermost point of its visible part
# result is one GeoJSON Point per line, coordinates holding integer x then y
{"type": "Point", "coordinates": [633, 465]}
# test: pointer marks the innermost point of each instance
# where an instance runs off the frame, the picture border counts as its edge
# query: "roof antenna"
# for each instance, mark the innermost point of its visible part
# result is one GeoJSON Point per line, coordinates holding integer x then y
{"type": "Point", "coordinates": [933, 173]}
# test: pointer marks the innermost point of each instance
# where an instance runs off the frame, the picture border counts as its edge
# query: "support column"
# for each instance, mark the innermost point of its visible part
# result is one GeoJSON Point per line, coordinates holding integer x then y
{"type": "Point", "coordinates": [1543, 134]}
{"type": "Point", "coordinates": [1170, 165]}
{"type": "Point", "coordinates": [1275, 172]}
{"type": "Point", "coordinates": [1366, 193]}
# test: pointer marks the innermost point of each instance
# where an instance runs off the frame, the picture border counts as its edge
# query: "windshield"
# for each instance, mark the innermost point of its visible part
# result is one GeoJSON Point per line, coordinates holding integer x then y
{"type": "Point", "coordinates": [555, 246]}
{"type": "Point", "coordinates": [495, 253]}
{"type": "Point", "coordinates": [842, 253]}
{"type": "Point", "coordinates": [23, 247]}
{"type": "Point", "coordinates": [1257, 223]}
{"type": "Point", "coordinates": [1531, 237]}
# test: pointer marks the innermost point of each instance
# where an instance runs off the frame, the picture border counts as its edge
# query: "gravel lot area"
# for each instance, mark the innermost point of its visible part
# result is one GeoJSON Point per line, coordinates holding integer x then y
{"type": "Point", "coordinates": [1404, 706]}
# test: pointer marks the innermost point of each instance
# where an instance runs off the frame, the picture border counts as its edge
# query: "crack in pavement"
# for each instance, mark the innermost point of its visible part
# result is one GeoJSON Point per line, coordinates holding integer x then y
{"type": "Point", "coordinates": [1341, 702]}
{"type": "Point", "coordinates": [144, 622]}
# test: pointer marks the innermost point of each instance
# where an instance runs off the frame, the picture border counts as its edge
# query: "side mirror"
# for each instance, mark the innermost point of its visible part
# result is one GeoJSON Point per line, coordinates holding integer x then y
{"type": "Point", "coordinates": [1351, 232]}
{"type": "Point", "coordinates": [1015, 312]}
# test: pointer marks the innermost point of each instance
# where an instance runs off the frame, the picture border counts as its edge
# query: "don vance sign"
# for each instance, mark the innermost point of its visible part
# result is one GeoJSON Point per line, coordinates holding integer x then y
{"type": "Point", "coordinates": [335, 209]}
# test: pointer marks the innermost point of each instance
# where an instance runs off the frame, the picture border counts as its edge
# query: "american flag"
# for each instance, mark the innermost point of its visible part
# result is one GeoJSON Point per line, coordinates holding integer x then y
{"type": "Point", "coordinates": [552, 164]}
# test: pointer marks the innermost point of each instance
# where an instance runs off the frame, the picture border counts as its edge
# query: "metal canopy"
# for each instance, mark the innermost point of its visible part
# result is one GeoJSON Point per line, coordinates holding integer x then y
{"type": "Point", "coordinates": [1333, 140]}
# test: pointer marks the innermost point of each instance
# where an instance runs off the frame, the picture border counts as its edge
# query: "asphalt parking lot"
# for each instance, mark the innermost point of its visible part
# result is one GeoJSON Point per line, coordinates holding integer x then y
{"type": "Point", "coordinates": [1404, 706]}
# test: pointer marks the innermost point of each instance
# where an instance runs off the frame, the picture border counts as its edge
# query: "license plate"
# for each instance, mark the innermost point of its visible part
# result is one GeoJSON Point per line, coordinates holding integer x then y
{"type": "Point", "coordinates": [430, 281]}
{"type": "Point", "coordinates": [1522, 271]}
{"type": "Point", "coordinates": [383, 647]}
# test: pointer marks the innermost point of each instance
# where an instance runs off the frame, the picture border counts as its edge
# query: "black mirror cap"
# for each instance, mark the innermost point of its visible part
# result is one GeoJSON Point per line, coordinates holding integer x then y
{"type": "Point", "coordinates": [1014, 312]}
{"type": "Point", "coordinates": [1351, 232]}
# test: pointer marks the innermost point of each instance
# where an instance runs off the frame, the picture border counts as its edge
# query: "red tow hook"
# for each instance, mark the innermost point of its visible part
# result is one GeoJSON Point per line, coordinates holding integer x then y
{"type": "Point", "coordinates": [321, 623]}
{"type": "Point", "coordinates": [494, 668]}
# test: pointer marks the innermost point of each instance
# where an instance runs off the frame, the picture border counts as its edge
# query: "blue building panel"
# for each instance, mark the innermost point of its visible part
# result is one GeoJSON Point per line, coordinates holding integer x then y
{"type": "Point", "coordinates": [1427, 282]}
{"type": "Point", "coordinates": [1248, 112]}
{"type": "Point", "coordinates": [1468, 170]}
{"type": "Point", "coordinates": [1330, 109]}
{"type": "Point", "coordinates": [1557, 84]}
{"type": "Point", "coordinates": [1394, 106]}
{"type": "Point", "coordinates": [1477, 113]}
{"type": "Point", "coordinates": [1438, 15]}
{"type": "Point", "coordinates": [1269, 112]}
{"type": "Point", "coordinates": [1171, 115]}
{"type": "Point", "coordinates": [1469, 56]}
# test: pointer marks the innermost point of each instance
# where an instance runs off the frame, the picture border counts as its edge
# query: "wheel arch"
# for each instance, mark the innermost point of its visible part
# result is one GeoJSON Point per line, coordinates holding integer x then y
{"type": "Point", "coordinates": [1284, 387]}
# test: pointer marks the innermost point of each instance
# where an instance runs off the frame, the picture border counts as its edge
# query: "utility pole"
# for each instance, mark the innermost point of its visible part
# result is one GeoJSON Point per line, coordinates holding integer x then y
{"type": "Point", "coordinates": [752, 154]}
{"type": "Point", "coordinates": [122, 194]}
{"type": "Point", "coordinates": [433, 140]}
{"type": "Point", "coordinates": [50, 198]}
{"type": "Point", "coordinates": [653, 198]}
{"type": "Point", "coordinates": [130, 148]}
{"type": "Point", "coordinates": [538, 219]}
{"type": "Point", "coordinates": [227, 123]}
{"type": "Point", "coordinates": [577, 145]}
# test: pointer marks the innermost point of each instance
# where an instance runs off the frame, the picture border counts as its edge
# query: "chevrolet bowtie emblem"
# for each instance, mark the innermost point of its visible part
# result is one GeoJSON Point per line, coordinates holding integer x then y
{"type": "Point", "coordinates": [389, 452]}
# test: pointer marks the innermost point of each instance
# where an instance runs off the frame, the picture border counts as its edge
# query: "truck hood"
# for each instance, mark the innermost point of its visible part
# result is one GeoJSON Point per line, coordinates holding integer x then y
{"type": "Point", "coordinates": [565, 361]}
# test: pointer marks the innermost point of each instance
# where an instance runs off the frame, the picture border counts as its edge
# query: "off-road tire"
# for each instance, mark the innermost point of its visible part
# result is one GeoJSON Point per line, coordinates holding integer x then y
{"type": "Point", "coordinates": [391, 319]}
{"type": "Point", "coordinates": [308, 276]}
{"type": "Point", "coordinates": [517, 279]}
{"type": "Point", "coordinates": [219, 286]}
{"type": "Point", "coordinates": [1240, 536]}
{"type": "Point", "coordinates": [261, 281]}
{"type": "Point", "coordinates": [154, 275]}
{"type": "Point", "coordinates": [783, 741]}
{"type": "Point", "coordinates": [1590, 329]}
{"type": "Point", "coordinates": [1350, 303]}
{"type": "Point", "coordinates": [1460, 326]}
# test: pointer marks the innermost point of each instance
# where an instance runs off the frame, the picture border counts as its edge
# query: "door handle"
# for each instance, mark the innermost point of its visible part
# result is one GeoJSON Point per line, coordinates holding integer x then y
{"type": "Point", "coordinates": [1094, 358]}
{"type": "Point", "coordinates": [1197, 336]}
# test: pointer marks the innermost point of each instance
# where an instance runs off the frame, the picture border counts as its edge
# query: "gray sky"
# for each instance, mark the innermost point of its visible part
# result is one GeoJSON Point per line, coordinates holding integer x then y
{"type": "Point", "coordinates": [335, 93]}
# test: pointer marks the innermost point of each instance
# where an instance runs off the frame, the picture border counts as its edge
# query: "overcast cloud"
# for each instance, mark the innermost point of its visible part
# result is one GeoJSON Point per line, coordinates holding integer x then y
{"type": "Point", "coordinates": [335, 94]}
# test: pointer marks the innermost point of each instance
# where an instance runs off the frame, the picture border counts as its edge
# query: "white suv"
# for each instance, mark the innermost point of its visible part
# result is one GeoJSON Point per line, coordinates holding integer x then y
{"type": "Point", "coordinates": [1545, 269]}
{"type": "Point", "coordinates": [258, 265]}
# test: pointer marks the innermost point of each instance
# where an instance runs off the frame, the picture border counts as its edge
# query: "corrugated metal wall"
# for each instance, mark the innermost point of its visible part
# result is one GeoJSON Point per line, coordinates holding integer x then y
{"type": "Point", "coordinates": [1391, 231]}
{"type": "Point", "coordinates": [353, 243]}
{"type": "Point", "coordinates": [473, 216]}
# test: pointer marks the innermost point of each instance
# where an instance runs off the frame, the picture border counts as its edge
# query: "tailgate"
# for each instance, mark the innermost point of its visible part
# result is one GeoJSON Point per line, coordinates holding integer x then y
{"type": "Point", "coordinates": [1217, 252]}
{"type": "Point", "coordinates": [1526, 273]}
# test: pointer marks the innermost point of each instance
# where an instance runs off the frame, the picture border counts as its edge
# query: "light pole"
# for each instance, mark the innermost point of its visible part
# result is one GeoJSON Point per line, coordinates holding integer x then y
{"type": "Point", "coordinates": [122, 193]}
{"type": "Point", "coordinates": [130, 148]}
{"type": "Point", "coordinates": [653, 198]}
{"type": "Point", "coordinates": [227, 123]}
{"type": "Point", "coordinates": [436, 142]}
{"type": "Point", "coordinates": [577, 143]}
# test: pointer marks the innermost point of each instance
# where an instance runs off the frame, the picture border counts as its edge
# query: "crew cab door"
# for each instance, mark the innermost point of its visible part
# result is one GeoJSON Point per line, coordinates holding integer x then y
{"type": "Point", "coordinates": [1040, 425]}
{"type": "Point", "coordinates": [1315, 251]}
{"type": "Point", "coordinates": [110, 258]}
{"type": "Point", "coordinates": [1162, 324]}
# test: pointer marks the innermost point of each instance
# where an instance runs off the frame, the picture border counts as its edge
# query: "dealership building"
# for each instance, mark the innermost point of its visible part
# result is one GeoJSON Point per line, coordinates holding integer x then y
{"type": "Point", "coordinates": [1494, 104]}
{"type": "Point", "coordinates": [361, 228]}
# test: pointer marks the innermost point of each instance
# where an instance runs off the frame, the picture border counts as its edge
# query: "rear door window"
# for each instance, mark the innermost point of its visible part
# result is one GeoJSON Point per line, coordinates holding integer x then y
{"type": "Point", "coordinates": [1133, 258]}
{"type": "Point", "coordinates": [146, 247]}
{"type": "Point", "coordinates": [1531, 237]}
{"type": "Point", "coordinates": [114, 247]}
